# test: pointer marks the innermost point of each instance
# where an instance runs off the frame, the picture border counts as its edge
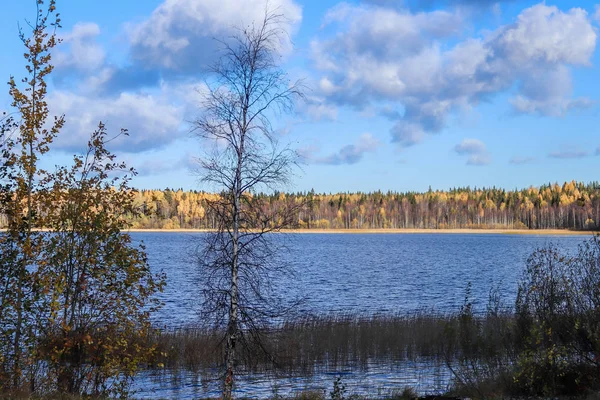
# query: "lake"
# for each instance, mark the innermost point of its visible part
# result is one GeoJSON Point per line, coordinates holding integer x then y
{"type": "Point", "coordinates": [362, 274]}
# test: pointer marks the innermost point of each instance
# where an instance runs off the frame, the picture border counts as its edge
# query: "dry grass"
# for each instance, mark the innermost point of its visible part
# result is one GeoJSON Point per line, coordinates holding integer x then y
{"type": "Point", "coordinates": [313, 345]}
{"type": "Point", "coordinates": [482, 350]}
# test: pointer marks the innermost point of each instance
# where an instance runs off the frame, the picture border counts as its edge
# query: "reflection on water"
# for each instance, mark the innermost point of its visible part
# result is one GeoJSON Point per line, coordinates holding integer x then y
{"type": "Point", "coordinates": [426, 376]}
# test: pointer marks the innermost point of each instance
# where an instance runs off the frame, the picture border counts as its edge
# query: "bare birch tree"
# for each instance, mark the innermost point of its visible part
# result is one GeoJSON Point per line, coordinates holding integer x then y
{"type": "Point", "coordinates": [248, 88]}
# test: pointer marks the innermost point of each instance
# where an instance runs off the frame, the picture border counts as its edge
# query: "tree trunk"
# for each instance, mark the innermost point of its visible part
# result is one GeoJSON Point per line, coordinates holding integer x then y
{"type": "Point", "coordinates": [232, 328]}
{"type": "Point", "coordinates": [233, 325]}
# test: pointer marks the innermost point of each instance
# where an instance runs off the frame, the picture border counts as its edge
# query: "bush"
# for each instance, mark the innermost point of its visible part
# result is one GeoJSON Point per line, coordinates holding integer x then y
{"type": "Point", "coordinates": [551, 344]}
{"type": "Point", "coordinates": [558, 321]}
{"type": "Point", "coordinates": [545, 321]}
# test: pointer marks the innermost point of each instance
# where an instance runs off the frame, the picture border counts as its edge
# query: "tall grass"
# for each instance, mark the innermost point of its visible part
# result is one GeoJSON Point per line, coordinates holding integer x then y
{"type": "Point", "coordinates": [483, 353]}
{"type": "Point", "coordinates": [326, 344]}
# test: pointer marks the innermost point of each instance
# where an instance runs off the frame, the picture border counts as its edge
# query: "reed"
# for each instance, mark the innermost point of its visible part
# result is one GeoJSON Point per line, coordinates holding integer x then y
{"type": "Point", "coordinates": [485, 354]}
{"type": "Point", "coordinates": [324, 344]}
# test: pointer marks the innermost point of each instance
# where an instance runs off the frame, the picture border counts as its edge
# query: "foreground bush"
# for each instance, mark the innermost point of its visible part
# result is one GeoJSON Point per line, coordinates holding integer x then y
{"type": "Point", "coordinates": [76, 293]}
{"type": "Point", "coordinates": [550, 346]}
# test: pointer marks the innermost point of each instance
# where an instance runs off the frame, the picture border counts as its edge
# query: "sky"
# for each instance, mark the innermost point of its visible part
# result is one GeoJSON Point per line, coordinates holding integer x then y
{"type": "Point", "coordinates": [401, 95]}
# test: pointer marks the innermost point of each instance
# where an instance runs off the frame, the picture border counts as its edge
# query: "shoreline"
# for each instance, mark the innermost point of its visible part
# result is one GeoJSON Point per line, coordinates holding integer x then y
{"type": "Point", "coordinates": [466, 231]}
{"type": "Point", "coordinates": [544, 232]}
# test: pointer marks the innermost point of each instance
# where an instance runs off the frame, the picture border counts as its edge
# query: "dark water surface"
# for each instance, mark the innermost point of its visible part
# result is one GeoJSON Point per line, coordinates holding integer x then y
{"type": "Point", "coordinates": [352, 273]}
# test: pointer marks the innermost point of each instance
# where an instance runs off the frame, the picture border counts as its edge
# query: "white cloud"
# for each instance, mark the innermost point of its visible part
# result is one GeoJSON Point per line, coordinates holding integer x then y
{"type": "Point", "coordinates": [470, 146]}
{"type": "Point", "coordinates": [465, 59]}
{"type": "Point", "coordinates": [546, 34]}
{"type": "Point", "coordinates": [390, 57]}
{"type": "Point", "coordinates": [349, 154]}
{"type": "Point", "coordinates": [81, 51]}
{"type": "Point", "coordinates": [319, 111]}
{"type": "Point", "coordinates": [179, 35]}
{"type": "Point", "coordinates": [548, 93]}
{"type": "Point", "coordinates": [569, 153]}
{"type": "Point", "coordinates": [475, 150]}
{"type": "Point", "coordinates": [407, 133]}
{"type": "Point", "coordinates": [151, 121]}
{"type": "Point", "coordinates": [156, 92]}
{"type": "Point", "coordinates": [326, 86]}
{"type": "Point", "coordinates": [368, 26]}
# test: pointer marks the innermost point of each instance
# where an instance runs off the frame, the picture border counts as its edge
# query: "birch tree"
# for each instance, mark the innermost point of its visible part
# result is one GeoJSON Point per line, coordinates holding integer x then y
{"type": "Point", "coordinates": [248, 88]}
{"type": "Point", "coordinates": [75, 293]}
{"type": "Point", "coordinates": [94, 331]}
{"type": "Point", "coordinates": [26, 136]}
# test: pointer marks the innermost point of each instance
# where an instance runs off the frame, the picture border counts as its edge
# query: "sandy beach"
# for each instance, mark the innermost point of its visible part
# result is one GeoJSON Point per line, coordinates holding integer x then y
{"type": "Point", "coordinates": [553, 232]}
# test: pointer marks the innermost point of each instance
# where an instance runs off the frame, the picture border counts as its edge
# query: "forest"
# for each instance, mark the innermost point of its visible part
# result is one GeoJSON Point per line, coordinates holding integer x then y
{"type": "Point", "coordinates": [572, 205]}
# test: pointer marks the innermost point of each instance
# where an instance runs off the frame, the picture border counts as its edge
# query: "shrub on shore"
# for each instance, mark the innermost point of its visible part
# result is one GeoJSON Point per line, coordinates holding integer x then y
{"type": "Point", "coordinates": [550, 346]}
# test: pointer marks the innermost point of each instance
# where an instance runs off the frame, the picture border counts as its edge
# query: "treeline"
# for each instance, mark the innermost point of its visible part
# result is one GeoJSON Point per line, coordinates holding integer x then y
{"type": "Point", "coordinates": [572, 205]}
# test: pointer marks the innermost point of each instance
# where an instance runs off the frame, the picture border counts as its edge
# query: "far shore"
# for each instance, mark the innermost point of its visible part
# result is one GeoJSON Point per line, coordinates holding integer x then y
{"type": "Point", "coordinates": [549, 232]}
{"type": "Point", "coordinates": [546, 232]}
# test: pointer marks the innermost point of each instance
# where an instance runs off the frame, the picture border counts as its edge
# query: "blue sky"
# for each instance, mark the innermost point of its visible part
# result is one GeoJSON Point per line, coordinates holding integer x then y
{"type": "Point", "coordinates": [404, 95]}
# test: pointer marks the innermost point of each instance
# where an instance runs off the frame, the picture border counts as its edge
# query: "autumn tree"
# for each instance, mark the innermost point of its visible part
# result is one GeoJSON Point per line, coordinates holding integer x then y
{"type": "Point", "coordinates": [247, 89]}
{"type": "Point", "coordinates": [546, 207]}
{"type": "Point", "coordinates": [27, 134]}
{"type": "Point", "coordinates": [76, 294]}
{"type": "Point", "coordinates": [101, 288]}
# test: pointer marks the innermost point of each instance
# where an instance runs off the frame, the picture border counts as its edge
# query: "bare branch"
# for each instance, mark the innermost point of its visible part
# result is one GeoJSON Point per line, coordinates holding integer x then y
{"type": "Point", "coordinates": [239, 260]}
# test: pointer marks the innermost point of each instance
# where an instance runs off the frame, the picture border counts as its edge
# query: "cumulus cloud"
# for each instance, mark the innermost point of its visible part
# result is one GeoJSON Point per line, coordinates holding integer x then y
{"type": "Point", "coordinates": [569, 153]}
{"type": "Point", "coordinates": [350, 154]}
{"type": "Point", "coordinates": [539, 97]}
{"type": "Point", "coordinates": [80, 50]}
{"type": "Point", "coordinates": [407, 133]}
{"type": "Point", "coordinates": [151, 121]}
{"type": "Point", "coordinates": [316, 108]}
{"type": "Point", "coordinates": [322, 111]}
{"type": "Point", "coordinates": [475, 150]}
{"type": "Point", "coordinates": [155, 91]}
{"type": "Point", "coordinates": [419, 61]}
{"type": "Point", "coordinates": [546, 34]}
{"type": "Point", "coordinates": [520, 160]}
{"type": "Point", "coordinates": [179, 40]}
{"type": "Point", "coordinates": [179, 35]}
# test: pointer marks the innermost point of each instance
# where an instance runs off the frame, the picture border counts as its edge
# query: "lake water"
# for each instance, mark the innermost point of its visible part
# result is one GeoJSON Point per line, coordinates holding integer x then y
{"type": "Point", "coordinates": [362, 274]}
